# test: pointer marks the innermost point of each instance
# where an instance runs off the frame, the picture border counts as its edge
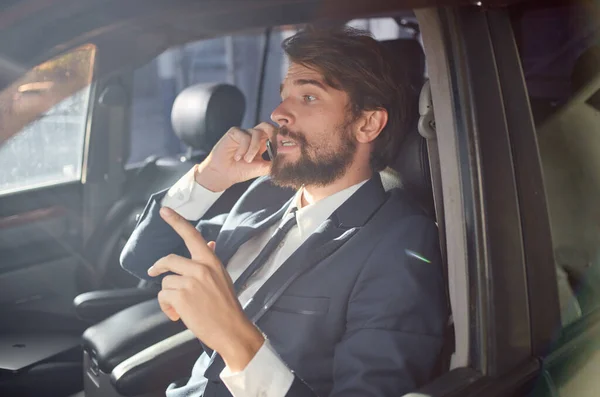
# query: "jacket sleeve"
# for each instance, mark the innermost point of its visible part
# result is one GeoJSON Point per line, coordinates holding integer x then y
{"type": "Point", "coordinates": [153, 239]}
{"type": "Point", "coordinates": [396, 318]}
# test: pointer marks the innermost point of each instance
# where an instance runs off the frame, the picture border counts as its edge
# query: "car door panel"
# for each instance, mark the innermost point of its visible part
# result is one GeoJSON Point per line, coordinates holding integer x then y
{"type": "Point", "coordinates": [40, 258]}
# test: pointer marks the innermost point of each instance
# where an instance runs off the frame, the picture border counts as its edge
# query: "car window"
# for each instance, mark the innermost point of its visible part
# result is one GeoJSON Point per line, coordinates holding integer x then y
{"type": "Point", "coordinates": [233, 59]}
{"type": "Point", "coordinates": [44, 116]}
{"type": "Point", "coordinates": [560, 56]}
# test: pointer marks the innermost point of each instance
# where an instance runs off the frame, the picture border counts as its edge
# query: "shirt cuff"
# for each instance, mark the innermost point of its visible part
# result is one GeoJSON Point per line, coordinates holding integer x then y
{"type": "Point", "coordinates": [188, 198]}
{"type": "Point", "coordinates": [265, 375]}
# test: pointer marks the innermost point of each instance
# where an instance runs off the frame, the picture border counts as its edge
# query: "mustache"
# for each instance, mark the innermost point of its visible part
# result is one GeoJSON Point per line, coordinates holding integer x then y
{"type": "Point", "coordinates": [297, 136]}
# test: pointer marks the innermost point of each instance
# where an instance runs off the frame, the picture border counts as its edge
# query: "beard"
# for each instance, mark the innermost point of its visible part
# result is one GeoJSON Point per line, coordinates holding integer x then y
{"type": "Point", "coordinates": [320, 169]}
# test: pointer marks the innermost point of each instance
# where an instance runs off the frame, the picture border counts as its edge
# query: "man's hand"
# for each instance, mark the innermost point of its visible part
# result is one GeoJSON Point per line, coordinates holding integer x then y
{"type": "Point", "coordinates": [237, 157]}
{"type": "Point", "coordinates": [201, 294]}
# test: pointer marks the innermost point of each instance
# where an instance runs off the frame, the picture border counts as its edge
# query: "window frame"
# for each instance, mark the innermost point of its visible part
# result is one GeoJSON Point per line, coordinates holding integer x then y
{"type": "Point", "coordinates": [486, 243]}
{"type": "Point", "coordinates": [539, 254]}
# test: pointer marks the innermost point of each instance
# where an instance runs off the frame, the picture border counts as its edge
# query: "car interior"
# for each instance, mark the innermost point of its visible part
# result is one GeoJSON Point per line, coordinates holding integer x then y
{"type": "Point", "coordinates": [117, 342]}
{"type": "Point", "coordinates": [129, 347]}
{"type": "Point", "coordinates": [156, 351]}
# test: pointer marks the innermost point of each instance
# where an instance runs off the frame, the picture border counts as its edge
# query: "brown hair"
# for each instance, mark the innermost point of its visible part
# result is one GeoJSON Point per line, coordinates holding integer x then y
{"type": "Point", "coordinates": [351, 60]}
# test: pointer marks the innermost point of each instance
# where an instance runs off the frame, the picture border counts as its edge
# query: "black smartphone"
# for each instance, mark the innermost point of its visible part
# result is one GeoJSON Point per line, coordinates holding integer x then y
{"type": "Point", "coordinates": [270, 150]}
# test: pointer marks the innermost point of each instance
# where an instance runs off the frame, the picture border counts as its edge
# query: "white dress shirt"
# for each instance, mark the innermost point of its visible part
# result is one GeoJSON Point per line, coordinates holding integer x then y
{"type": "Point", "coordinates": [266, 374]}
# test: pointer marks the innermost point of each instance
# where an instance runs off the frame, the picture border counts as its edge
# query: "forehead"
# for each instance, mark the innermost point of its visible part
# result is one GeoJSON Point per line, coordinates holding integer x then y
{"type": "Point", "coordinates": [297, 71]}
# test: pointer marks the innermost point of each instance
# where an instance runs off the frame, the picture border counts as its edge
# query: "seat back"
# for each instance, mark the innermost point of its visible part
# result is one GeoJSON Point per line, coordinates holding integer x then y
{"type": "Point", "coordinates": [201, 114]}
{"type": "Point", "coordinates": [411, 170]}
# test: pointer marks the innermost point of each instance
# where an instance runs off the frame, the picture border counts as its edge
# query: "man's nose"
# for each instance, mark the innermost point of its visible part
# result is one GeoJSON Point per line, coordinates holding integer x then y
{"type": "Point", "coordinates": [282, 116]}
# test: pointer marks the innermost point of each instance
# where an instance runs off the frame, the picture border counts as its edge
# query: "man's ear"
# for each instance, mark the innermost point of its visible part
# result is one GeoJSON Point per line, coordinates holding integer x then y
{"type": "Point", "coordinates": [371, 124]}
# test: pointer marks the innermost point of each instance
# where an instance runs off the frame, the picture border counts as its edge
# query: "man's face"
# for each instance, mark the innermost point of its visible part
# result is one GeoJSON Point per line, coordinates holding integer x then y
{"type": "Point", "coordinates": [315, 142]}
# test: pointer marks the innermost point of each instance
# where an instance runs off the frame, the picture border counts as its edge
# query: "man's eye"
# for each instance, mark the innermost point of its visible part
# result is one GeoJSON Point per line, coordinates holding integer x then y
{"type": "Point", "coordinates": [309, 98]}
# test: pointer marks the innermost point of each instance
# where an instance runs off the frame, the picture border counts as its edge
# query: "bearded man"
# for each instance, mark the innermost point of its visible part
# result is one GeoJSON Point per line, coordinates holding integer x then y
{"type": "Point", "coordinates": [306, 286]}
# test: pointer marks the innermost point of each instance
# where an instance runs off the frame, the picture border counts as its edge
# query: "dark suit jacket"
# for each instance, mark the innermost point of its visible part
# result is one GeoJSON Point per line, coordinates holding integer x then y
{"type": "Point", "coordinates": [358, 310]}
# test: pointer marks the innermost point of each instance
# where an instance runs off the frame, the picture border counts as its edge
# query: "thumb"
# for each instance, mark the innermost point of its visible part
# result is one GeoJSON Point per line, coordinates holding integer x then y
{"type": "Point", "coordinates": [171, 313]}
{"type": "Point", "coordinates": [166, 307]}
{"type": "Point", "coordinates": [211, 245]}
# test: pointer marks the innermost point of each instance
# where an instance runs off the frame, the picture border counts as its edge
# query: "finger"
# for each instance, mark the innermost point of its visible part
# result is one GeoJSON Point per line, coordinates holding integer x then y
{"type": "Point", "coordinates": [257, 140]}
{"type": "Point", "coordinates": [268, 128]}
{"type": "Point", "coordinates": [182, 267]}
{"type": "Point", "coordinates": [171, 313]}
{"type": "Point", "coordinates": [270, 132]}
{"type": "Point", "coordinates": [261, 150]}
{"type": "Point", "coordinates": [192, 238]}
{"type": "Point", "coordinates": [175, 264]}
{"type": "Point", "coordinates": [165, 299]}
{"type": "Point", "coordinates": [212, 245]}
{"type": "Point", "coordinates": [242, 138]}
{"type": "Point", "coordinates": [173, 281]}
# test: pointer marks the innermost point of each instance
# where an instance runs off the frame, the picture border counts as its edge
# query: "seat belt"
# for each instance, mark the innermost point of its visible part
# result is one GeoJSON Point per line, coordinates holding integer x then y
{"type": "Point", "coordinates": [427, 130]}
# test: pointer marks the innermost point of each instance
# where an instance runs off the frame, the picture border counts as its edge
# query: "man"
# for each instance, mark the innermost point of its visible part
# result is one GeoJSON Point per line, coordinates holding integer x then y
{"type": "Point", "coordinates": [317, 282]}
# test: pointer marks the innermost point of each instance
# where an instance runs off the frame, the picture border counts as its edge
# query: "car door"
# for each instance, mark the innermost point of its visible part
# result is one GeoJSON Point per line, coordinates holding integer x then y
{"type": "Point", "coordinates": [64, 123]}
{"type": "Point", "coordinates": [60, 170]}
{"type": "Point", "coordinates": [498, 234]}
{"type": "Point", "coordinates": [533, 71]}
{"type": "Point", "coordinates": [42, 169]}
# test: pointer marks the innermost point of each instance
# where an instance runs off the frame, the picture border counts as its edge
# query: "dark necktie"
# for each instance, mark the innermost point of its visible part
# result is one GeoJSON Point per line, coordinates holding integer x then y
{"type": "Point", "coordinates": [266, 252]}
{"type": "Point", "coordinates": [217, 364]}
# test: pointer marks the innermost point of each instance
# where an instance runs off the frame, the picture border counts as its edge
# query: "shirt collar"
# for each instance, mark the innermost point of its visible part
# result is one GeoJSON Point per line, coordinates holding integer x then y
{"type": "Point", "coordinates": [311, 216]}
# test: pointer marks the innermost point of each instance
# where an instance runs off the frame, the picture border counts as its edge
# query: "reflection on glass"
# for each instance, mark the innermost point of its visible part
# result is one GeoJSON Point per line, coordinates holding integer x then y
{"type": "Point", "coordinates": [44, 122]}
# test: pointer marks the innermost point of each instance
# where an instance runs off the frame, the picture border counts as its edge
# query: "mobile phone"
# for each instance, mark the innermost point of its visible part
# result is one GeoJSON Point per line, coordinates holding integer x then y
{"type": "Point", "coordinates": [270, 150]}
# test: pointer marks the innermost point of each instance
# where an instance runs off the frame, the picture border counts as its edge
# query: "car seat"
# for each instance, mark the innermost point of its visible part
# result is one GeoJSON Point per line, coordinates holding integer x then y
{"type": "Point", "coordinates": [201, 115]}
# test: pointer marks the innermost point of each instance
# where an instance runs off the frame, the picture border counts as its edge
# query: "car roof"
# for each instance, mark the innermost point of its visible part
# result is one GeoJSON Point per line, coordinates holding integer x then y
{"type": "Point", "coordinates": [135, 31]}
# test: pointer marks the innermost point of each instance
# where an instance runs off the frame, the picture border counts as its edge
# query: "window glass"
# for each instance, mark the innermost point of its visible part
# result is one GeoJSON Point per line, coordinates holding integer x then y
{"type": "Point", "coordinates": [43, 120]}
{"type": "Point", "coordinates": [231, 59]}
{"type": "Point", "coordinates": [560, 58]}
{"type": "Point", "coordinates": [384, 28]}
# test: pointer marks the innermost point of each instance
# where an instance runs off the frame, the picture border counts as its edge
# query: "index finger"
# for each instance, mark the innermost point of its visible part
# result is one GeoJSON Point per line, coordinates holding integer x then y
{"type": "Point", "coordinates": [257, 142]}
{"type": "Point", "coordinates": [192, 238]}
{"type": "Point", "coordinates": [267, 128]}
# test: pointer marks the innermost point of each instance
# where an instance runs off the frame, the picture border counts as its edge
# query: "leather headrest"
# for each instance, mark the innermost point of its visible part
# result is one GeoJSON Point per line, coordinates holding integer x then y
{"type": "Point", "coordinates": [411, 168]}
{"type": "Point", "coordinates": [412, 165]}
{"type": "Point", "coordinates": [202, 113]}
{"type": "Point", "coordinates": [410, 57]}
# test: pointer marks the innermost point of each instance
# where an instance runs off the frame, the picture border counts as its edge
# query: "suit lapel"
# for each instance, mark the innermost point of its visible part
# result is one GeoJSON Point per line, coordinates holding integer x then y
{"type": "Point", "coordinates": [322, 243]}
{"type": "Point", "coordinates": [252, 225]}
{"type": "Point", "coordinates": [328, 238]}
